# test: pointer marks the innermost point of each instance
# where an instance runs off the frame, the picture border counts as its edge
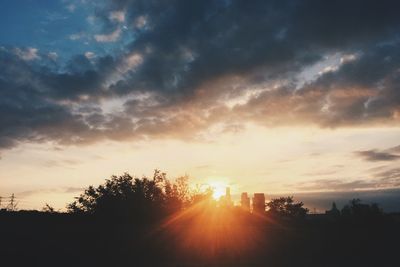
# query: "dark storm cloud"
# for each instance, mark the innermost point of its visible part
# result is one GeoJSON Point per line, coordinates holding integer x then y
{"type": "Point", "coordinates": [196, 41]}
{"type": "Point", "coordinates": [81, 77]}
{"type": "Point", "coordinates": [190, 57]}
{"type": "Point", "coordinates": [361, 91]}
{"type": "Point", "coordinates": [37, 104]}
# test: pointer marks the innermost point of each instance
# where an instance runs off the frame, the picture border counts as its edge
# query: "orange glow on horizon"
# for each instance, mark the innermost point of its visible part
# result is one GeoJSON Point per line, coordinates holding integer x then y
{"type": "Point", "coordinates": [207, 230]}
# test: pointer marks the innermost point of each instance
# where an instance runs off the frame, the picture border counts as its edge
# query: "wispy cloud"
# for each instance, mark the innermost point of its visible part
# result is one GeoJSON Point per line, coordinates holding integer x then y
{"type": "Point", "coordinates": [30, 193]}
{"type": "Point", "coordinates": [71, 8]}
{"type": "Point", "coordinates": [110, 37]}
{"type": "Point", "coordinates": [77, 36]}
{"type": "Point", "coordinates": [390, 154]}
{"type": "Point", "coordinates": [383, 179]}
{"type": "Point", "coordinates": [118, 16]}
{"type": "Point", "coordinates": [28, 54]}
{"type": "Point", "coordinates": [61, 162]}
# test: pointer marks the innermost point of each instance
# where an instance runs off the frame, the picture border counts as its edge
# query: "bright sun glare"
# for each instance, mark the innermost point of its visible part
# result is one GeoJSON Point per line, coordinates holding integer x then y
{"type": "Point", "coordinates": [219, 189]}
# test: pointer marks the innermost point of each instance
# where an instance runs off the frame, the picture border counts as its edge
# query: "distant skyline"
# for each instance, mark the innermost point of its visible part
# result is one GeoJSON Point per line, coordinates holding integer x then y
{"type": "Point", "coordinates": [280, 97]}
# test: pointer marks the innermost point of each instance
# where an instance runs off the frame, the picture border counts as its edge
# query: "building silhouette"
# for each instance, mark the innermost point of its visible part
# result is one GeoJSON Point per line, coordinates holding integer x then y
{"type": "Point", "coordinates": [259, 203]}
{"type": "Point", "coordinates": [334, 211]}
{"type": "Point", "coordinates": [245, 201]}
{"type": "Point", "coordinates": [228, 195]}
{"type": "Point", "coordinates": [226, 201]}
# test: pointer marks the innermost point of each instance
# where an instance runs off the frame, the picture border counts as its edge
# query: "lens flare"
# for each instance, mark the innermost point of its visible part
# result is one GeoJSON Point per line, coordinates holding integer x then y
{"type": "Point", "coordinates": [208, 231]}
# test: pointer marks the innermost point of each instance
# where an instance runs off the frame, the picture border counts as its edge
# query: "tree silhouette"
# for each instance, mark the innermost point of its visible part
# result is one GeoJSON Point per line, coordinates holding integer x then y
{"type": "Point", "coordinates": [286, 207]}
{"type": "Point", "coordinates": [127, 197]}
{"type": "Point", "coordinates": [356, 208]}
{"type": "Point", "coordinates": [176, 194]}
{"type": "Point", "coordinates": [199, 195]}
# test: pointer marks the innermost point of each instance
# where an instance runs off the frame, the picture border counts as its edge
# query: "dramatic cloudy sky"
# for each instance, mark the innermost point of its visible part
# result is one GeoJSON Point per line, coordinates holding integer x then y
{"type": "Point", "coordinates": [274, 96]}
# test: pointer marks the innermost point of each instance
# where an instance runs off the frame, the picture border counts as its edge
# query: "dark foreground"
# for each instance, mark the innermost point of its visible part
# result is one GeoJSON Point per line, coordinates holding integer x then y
{"type": "Point", "coordinates": [217, 238]}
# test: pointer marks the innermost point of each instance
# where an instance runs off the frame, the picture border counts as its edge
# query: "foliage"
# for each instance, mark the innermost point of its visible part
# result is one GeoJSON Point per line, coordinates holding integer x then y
{"type": "Point", "coordinates": [357, 209]}
{"type": "Point", "coordinates": [286, 207]}
{"type": "Point", "coordinates": [199, 194]}
{"type": "Point", "coordinates": [140, 198]}
{"type": "Point", "coordinates": [176, 194]}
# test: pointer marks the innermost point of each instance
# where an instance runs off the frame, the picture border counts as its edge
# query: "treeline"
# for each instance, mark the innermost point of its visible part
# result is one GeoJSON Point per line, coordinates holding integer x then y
{"type": "Point", "coordinates": [151, 198]}
{"type": "Point", "coordinates": [138, 198]}
{"type": "Point", "coordinates": [155, 221]}
{"type": "Point", "coordinates": [146, 199]}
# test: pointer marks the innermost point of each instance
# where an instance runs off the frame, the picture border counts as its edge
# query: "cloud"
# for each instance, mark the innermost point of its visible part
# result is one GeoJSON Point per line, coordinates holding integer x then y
{"type": "Point", "coordinates": [90, 55]}
{"type": "Point", "coordinates": [391, 176]}
{"type": "Point", "coordinates": [395, 149]}
{"type": "Point", "coordinates": [202, 167]}
{"type": "Point", "coordinates": [77, 36]}
{"type": "Point", "coordinates": [71, 8]}
{"type": "Point", "coordinates": [335, 185]}
{"type": "Point", "coordinates": [141, 22]}
{"type": "Point", "coordinates": [61, 163]}
{"type": "Point", "coordinates": [202, 65]}
{"type": "Point", "coordinates": [91, 19]}
{"type": "Point", "coordinates": [29, 193]}
{"type": "Point", "coordinates": [321, 173]}
{"type": "Point", "coordinates": [52, 55]}
{"type": "Point", "coordinates": [389, 154]}
{"type": "Point", "coordinates": [373, 155]}
{"type": "Point", "coordinates": [352, 185]}
{"type": "Point", "coordinates": [73, 189]}
{"type": "Point", "coordinates": [118, 16]}
{"type": "Point", "coordinates": [378, 180]}
{"type": "Point", "coordinates": [110, 37]}
{"type": "Point", "coordinates": [27, 54]}
{"type": "Point", "coordinates": [190, 61]}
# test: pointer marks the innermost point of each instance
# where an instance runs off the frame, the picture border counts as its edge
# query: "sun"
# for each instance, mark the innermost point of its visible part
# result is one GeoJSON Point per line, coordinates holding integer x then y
{"type": "Point", "coordinates": [219, 189]}
{"type": "Point", "coordinates": [218, 193]}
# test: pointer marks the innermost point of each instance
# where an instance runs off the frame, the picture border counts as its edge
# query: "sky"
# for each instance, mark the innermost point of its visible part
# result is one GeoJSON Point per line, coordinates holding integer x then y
{"type": "Point", "coordinates": [282, 97]}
